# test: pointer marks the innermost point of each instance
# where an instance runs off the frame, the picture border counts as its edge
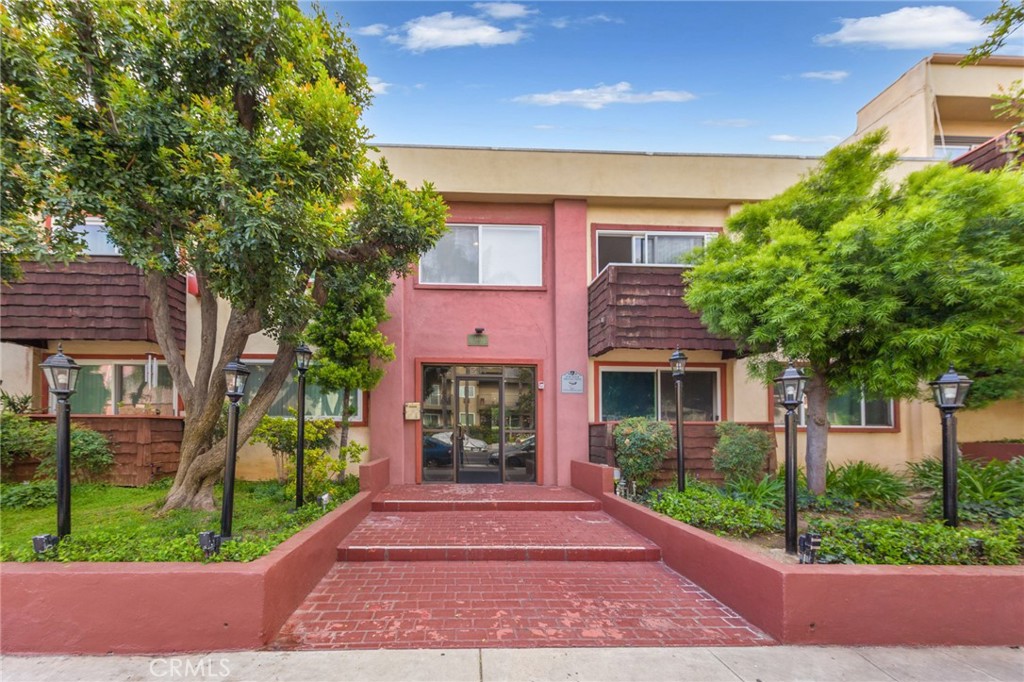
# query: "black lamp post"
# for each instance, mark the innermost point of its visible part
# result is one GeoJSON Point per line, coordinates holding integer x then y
{"type": "Point", "coordinates": [236, 374]}
{"type": "Point", "coordinates": [792, 382]}
{"type": "Point", "coordinates": [677, 361]}
{"type": "Point", "coordinates": [303, 355]}
{"type": "Point", "coordinates": [950, 390]}
{"type": "Point", "coordinates": [61, 374]}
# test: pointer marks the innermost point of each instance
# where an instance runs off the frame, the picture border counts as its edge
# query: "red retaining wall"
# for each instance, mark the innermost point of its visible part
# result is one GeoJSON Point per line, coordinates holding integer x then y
{"type": "Point", "coordinates": [99, 608]}
{"type": "Point", "coordinates": [831, 604]}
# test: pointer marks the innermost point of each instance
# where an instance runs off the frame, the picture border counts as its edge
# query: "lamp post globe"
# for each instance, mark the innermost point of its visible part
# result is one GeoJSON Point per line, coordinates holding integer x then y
{"type": "Point", "coordinates": [303, 358]}
{"type": "Point", "coordinates": [792, 383]}
{"type": "Point", "coordinates": [61, 373]}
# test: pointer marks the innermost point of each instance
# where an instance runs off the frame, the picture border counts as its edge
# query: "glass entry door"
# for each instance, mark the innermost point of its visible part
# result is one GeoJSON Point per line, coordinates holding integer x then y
{"type": "Point", "coordinates": [479, 424]}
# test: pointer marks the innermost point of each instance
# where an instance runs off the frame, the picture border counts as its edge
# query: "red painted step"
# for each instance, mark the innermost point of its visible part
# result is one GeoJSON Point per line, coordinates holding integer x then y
{"type": "Point", "coordinates": [510, 604]}
{"type": "Point", "coordinates": [500, 536]}
{"type": "Point", "coordinates": [454, 497]}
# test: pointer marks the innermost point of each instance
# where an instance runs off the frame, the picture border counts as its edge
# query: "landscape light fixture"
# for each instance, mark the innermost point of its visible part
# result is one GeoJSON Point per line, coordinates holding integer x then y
{"type": "Point", "coordinates": [61, 374]}
{"type": "Point", "coordinates": [236, 374]}
{"type": "Point", "coordinates": [303, 358]}
{"type": "Point", "coordinates": [950, 390]}
{"type": "Point", "coordinates": [677, 361]}
{"type": "Point", "coordinates": [792, 383]}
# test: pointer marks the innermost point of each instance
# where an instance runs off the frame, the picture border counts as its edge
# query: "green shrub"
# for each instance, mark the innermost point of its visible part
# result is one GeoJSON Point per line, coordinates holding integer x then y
{"type": "Point", "coordinates": [281, 434]}
{"type": "Point", "coordinates": [18, 403]}
{"type": "Point", "coordinates": [24, 438]}
{"type": "Point", "coordinates": [90, 454]}
{"type": "Point", "coordinates": [991, 490]}
{"type": "Point", "coordinates": [28, 495]}
{"type": "Point", "coordinates": [741, 452]}
{"type": "Point", "coordinates": [899, 542]}
{"type": "Point", "coordinates": [20, 438]}
{"type": "Point", "coordinates": [869, 484]}
{"type": "Point", "coordinates": [769, 491]}
{"type": "Point", "coordinates": [704, 507]}
{"type": "Point", "coordinates": [640, 448]}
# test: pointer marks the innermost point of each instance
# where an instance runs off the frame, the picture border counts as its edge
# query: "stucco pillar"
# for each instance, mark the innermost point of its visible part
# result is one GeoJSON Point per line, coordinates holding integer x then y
{"type": "Point", "coordinates": [393, 437]}
{"type": "Point", "coordinates": [569, 292]}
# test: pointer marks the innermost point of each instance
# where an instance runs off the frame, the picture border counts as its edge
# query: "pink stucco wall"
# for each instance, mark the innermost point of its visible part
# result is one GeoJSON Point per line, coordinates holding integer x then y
{"type": "Point", "coordinates": [544, 326]}
{"type": "Point", "coordinates": [827, 604]}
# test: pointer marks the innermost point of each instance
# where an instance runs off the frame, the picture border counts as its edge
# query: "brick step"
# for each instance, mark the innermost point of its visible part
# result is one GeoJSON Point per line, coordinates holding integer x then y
{"type": "Point", "coordinates": [451, 497]}
{"type": "Point", "coordinates": [494, 536]}
{"type": "Point", "coordinates": [452, 605]}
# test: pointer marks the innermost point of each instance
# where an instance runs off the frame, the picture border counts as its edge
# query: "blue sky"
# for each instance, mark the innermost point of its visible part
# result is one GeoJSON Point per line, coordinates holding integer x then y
{"type": "Point", "coordinates": [704, 77]}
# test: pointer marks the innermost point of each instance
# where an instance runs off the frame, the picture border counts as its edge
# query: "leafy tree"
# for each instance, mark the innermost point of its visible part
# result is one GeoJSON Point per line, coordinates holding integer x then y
{"type": "Point", "coordinates": [222, 139]}
{"type": "Point", "coordinates": [350, 346]}
{"type": "Point", "coordinates": [1006, 20]}
{"type": "Point", "coordinates": [870, 287]}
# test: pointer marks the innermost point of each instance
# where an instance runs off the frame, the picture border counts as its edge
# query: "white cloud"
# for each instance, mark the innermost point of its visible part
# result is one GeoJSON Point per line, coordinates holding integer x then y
{"type": "Point", "coordinates": [565, 22]}
{"type": "Point", "coordinates": [834, 76]}
{"type": "Point", "coordinates": [909, 28]}
{"type": "Point", "coordinates": [804, 139]}
{"type": "Point", "coordinates": [377, 86]}
{"type": "Point", "coordinates": [504, 10]}
{"type": "Point", "coordinates": [544, 126]}
{"type": "Point", "coordinates": [372, 30]}
{"type": "Point", "coordinates": [729, 122]}
{"type": "Point", "coordinates": [603, 95]}
{"type": "Point", "coordinates": [447, 30]}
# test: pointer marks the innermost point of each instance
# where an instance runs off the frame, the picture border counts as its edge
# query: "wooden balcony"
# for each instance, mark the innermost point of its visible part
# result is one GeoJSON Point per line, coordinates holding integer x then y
{"type": "Point", "coordinates": [641, 307]}
{"type": "Point", "coordinates": [992, 155]}
{"type": "Point", "coordinates": [98, 299]}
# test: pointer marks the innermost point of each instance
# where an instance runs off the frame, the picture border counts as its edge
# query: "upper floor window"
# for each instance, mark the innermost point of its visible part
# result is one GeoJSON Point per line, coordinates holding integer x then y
{"type": "Point", "coordinates": [853, 408]}
{"type": "Point", "coordinates": [949, 147]}
{"type": "Point", "coordinates": [494, 255]}
{"type": "Point", "coordinates": [649, 392]}
{"type": "Point", "coordinates": [97, 243]}
{"type": "Point", "coordinates": [650, 248]}
{"type": "Point", "coordinates": [319, 403]}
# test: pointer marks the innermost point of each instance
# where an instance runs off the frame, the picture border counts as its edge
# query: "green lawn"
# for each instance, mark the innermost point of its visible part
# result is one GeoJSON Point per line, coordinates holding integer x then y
{"type": "Point", "coordinates": [124, 524]}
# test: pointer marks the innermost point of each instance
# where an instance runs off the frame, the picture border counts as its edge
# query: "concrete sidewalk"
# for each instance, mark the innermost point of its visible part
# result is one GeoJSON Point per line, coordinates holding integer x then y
{"type": "Point", "coordinates": [728, 664]}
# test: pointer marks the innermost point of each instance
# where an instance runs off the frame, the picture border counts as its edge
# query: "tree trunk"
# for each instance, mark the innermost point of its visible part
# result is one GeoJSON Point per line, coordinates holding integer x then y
{"type": "Point", "coordinates": [345, 417]}
{"type": "Point", "coordinates": [817, 432]}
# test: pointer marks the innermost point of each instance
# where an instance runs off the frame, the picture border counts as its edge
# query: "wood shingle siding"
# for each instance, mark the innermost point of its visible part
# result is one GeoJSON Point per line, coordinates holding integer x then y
{"type": "Point", "coordinates": [989, 156]}
{"type": "Point", "coordinates": [145, 448]}
{"type": "Point", "coordinates": [98, 299]}
{"type": "Point", "coordinates": [641, 307]}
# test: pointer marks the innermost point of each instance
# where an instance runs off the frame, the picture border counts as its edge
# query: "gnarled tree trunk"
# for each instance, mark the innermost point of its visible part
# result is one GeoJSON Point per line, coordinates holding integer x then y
{"type": "Point", "coordinates": [202, 459]}
{"type": "Point", "coordinates": [816, 457]}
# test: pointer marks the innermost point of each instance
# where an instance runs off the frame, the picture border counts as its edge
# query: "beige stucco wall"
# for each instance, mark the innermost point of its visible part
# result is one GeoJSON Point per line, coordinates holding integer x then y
{"type": "Point", "coordinates": [999, 421]}
{"type": "Point", "coordinates": [17, 367]}
{"type": "Point", "coordinates": [938, 96]}
{"type": "Point", "coordinates": [256, 461]}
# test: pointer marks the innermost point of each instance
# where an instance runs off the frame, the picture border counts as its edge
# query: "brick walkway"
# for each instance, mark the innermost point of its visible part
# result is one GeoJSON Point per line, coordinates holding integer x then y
{"type": "Point", "coordinates": [543, 567]}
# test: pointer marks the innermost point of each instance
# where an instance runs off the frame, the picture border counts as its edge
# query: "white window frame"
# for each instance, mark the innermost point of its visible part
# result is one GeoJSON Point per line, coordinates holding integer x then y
{"type": "Point", "coordinates": [95, 228]}
{"type": "Point", "coordinates": [95, 362]}
{"type": "Point", "coordinates": [357, 398]}
{"type": "Point", "coordinates": [802, 415]}
{"type": "Point", "coordinates": [654, 369]}
{"type": "Point", "coordinates": [639, 244]}
{"type": "Point", "coordinates": [539, 229]}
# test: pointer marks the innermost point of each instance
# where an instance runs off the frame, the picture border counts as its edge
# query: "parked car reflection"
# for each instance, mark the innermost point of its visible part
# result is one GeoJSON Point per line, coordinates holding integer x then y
{"type": "Point", "coordinates": [436, 453]}
{"type": "Point", "coordinates": [517, 455]}
{"type": "Point", "coordinates": [468, 444]}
